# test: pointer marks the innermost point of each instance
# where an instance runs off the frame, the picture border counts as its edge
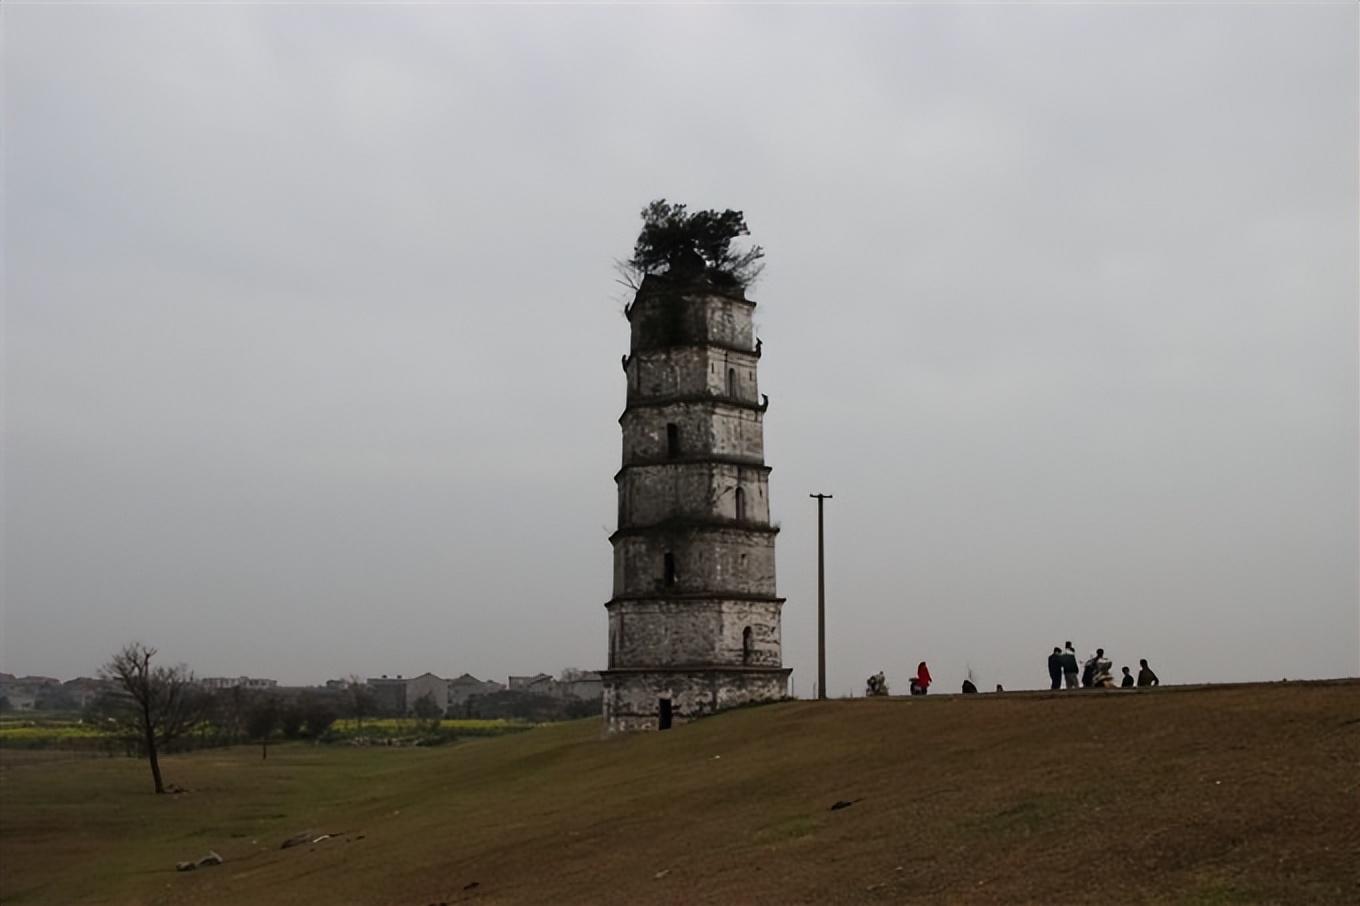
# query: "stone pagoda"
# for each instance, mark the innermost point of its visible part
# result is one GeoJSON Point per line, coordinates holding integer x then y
{"type": "Point", "coordinates": [694, 620]}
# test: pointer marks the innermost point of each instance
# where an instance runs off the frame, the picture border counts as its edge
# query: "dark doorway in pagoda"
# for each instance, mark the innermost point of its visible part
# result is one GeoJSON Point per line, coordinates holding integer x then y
{"type": "Point", "coordinates": [664, 717]}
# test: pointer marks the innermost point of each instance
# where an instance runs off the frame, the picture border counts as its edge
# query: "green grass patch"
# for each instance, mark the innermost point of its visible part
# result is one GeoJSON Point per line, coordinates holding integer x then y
{"type": "Point", "coordinates": [397, 728]}
{"type": "Point", "coordinates": [1218, 893]}
{"type": "Point", "coordinates": [795, 827]}
{"type": "Point", "coordinates": [1025, 817]}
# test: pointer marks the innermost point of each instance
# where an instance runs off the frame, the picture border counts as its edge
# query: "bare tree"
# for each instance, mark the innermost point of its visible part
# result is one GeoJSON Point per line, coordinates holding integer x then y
{"type": "Point", "coordinates": [157, 704]}
{"type": "Point", "coordinates": [262, 717]}
{"type": "Point", "coordinates": [428, 712]}
{"type": "Point", "coordinates": [233, 704]}
{"type": "Point", "coordinates": [291, 719]}
{"type": "Point", "coordinates": [318, 712]}
{"type": "Point", "coordinates": [359, 702]}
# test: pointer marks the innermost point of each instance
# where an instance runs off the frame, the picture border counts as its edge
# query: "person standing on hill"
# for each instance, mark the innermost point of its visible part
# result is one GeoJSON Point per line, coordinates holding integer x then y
{"type": "Point", "coordinates": [1127, 681]}
{"type": "Point", "coordinates": [1088, 671]}
{"type": "Point", "coordinates": [1145, 675]}
{"type": "Point", "coordinates": [1069, 666]}
{"type": "Point", "coordinates": [1055, 668]}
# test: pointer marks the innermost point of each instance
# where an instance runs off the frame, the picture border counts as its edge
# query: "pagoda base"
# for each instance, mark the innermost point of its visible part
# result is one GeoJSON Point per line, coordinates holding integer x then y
{"type": "Point", "coordinates": [660, 698]}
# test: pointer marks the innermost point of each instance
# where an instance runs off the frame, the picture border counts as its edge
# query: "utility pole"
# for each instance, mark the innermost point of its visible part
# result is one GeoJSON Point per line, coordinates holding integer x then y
{"type": "Point", "coordinates": [821, 599]}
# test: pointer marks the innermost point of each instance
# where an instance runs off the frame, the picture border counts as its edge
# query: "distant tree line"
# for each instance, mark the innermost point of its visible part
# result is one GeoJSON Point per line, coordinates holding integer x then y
{"type": "Point", "coordinates": [517, 705]}
{"type": "Point", "coordinates": [154, 709]}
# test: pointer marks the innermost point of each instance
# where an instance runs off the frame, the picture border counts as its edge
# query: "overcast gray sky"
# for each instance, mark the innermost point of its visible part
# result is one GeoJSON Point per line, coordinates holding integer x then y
{"type": "Point", "coordinates": [311, 340]}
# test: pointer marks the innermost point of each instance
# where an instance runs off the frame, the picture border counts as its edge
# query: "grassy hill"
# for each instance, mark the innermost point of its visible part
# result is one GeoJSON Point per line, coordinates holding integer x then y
{"type": "Point", "coordinates": [1247, 794]}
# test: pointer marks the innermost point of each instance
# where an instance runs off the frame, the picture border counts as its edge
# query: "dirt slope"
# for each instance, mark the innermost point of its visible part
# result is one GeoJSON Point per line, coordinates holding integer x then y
{"type": "Point", "coordinates": [1232, 795]}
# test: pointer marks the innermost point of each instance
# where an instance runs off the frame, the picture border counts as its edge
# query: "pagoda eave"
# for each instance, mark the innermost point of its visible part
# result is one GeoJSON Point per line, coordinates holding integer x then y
{"type": "Point", "coordinates": [694, 596]}
{"type": "Point", "coordinates": [738, 461]}
{"type": "Point", "coordinates": [678, 399]}
{"type": "Point", "coordinates": [681, 525]}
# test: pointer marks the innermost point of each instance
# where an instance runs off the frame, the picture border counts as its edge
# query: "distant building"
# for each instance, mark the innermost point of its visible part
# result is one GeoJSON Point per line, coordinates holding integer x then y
{"type": "Point", "coordinates": [573, 684]}
{"type": "Point", "coordinates": [436, 687]}
{"type": "Point", "coordinates": [84, 689]}
{"type": "Point", "coordinates": [464, 687]}
{"type": "Point", "coordinates": [586, 685]}
{"type": "Point", "coordinates": [397, 696]}
{"type": "Point", "coordinates": [24, 693]}
{"type": "Point", "coordinates": [537, 684]}
{"type": "Point", "coordinates": [389, 694]}
{"type": "Point", "coordinates": [17, 695]}
{"type": "Point", "coordinates": [234, 682]}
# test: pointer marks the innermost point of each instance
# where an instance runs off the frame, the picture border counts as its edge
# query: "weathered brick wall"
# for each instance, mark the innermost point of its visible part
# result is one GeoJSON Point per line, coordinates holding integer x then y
{"type": "Point", "coordinates": [631, 699]}
{"type": "Point", "coordinates": [693, 371]}
{"type": "Point", "coordinates": [693, 633]}
{"type": "Point", "coordinates": [650, 494]}
{"type": "Point", "coordinates": [705, 429]}
{"type": "Point", "coordinates": [705, 559]}
{"type": "Point", "coordinates": [665, 318]}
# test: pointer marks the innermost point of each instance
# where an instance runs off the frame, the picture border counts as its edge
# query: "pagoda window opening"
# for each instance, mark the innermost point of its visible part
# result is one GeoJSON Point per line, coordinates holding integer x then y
{"type": "Point", "coordinates": [668, 569]}
{"type": "Point", "coordinates": [741, 505]}
{"type": "Point", "coordinates": [732, 383]}
{"type": "Point", "coordinates": [748, 645]}
{"type": "Point", "coordinates": [672, 440]}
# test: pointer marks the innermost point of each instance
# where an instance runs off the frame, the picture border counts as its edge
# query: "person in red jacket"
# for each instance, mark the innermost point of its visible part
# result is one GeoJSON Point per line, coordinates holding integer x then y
{"type": "Point", "coordinates": [921, 681]}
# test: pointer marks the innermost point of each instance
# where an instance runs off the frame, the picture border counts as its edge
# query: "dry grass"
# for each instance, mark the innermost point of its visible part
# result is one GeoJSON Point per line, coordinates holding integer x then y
{"type": "Point", "coordinates": [1216, 796]}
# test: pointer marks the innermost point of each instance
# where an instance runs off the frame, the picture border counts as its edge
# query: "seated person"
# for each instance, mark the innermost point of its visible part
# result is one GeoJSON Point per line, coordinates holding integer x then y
{"type": "Point", "coordinates": [1102, 678]}
{"type": "Point", "coordinates": [1145, 675]}
{"type": "Point", "coordinates": [921, 681]}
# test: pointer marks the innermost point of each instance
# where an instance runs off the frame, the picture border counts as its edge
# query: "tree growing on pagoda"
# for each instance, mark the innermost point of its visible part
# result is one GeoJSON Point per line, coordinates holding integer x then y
{"type": "Point", "coordinates": [680, 243]}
